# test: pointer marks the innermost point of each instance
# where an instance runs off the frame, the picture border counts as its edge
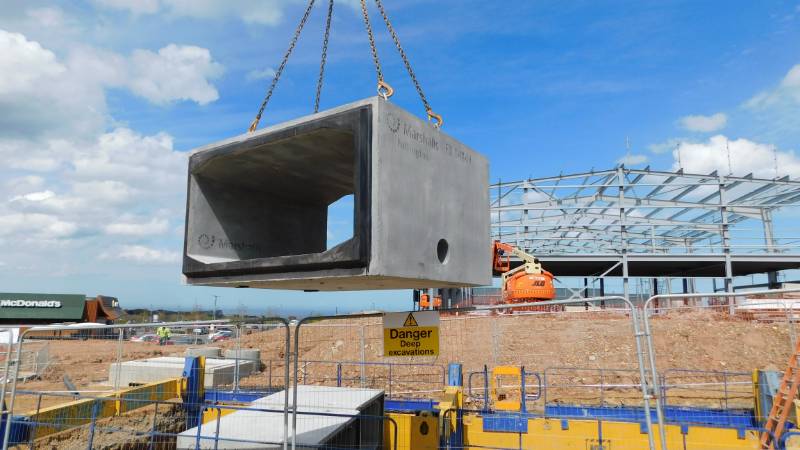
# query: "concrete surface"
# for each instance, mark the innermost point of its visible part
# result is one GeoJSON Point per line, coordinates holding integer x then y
{"type": "Point", "coordinates": [219, 372]}
{"type": "Point", "coordinates": [208, 352]}
{"type": "Point", "coordinates": [249, 354]}
{"type": "Point", "coordinates": [257, 205]}
{"type": "Point", "coordinates": [264, 429]}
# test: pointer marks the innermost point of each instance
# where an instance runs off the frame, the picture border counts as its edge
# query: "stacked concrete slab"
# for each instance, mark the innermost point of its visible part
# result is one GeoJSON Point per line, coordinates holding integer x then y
{"type": "Point", "coordinates": [316, 427]}
{"type": "Point", "coordinates": [219, 372]}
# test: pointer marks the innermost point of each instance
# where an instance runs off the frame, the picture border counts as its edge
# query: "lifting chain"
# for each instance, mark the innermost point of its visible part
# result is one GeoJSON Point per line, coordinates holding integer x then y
{"type": "Point", "coordinates": [278, 72]}
{"type": "Point", "coordinates": [384, 89]}
{"type": "Point", "coordinates": [431, 115]}
{"type": "Point", "coordinates": [324, 56]}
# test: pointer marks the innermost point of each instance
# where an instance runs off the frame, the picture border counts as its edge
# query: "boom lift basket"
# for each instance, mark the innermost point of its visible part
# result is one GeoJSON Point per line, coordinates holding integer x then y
{"type": "Point", "coordinates": [257, 205]}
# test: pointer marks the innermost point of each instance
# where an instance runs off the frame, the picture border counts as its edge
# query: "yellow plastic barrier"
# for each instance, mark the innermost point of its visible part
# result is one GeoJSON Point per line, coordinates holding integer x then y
{"type": "Point", "coordinates": [55, 419]}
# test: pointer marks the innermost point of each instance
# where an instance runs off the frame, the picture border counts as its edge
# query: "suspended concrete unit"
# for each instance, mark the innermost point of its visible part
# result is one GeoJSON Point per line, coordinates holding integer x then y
{"type": "Point", "coordinates": [257, 208]}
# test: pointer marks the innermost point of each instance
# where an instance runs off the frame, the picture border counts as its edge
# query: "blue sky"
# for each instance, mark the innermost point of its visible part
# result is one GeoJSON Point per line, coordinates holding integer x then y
{"type": "Point", "coordinates": [102, 99]}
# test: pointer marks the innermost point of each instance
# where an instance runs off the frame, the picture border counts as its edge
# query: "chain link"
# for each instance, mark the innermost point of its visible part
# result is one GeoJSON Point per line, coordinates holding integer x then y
{"type": "Point", "coordinates": [371, 41]}
{"type": "Point", "coordinates": [278, 72]}
{"type": "Point", "coordinates": [400, 50]}
{"type": "Point", "coordinates": [384, 89]}
{"type": "Point", "coordinates": [324, 56]}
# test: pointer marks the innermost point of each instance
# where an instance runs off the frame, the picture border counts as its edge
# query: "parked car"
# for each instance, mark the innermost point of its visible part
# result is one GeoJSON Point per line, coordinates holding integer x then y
{"type": "Point", "coordinates": [148, 337]}
{"type": "Point", "coordinates": [186, 339]}
{"type": "Point", "coordinates": [221, 335]}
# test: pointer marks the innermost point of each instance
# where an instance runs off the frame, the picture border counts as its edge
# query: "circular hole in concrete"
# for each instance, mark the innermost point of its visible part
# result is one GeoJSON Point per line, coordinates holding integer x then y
{"type": "Point", "coordinates": [441, 250]}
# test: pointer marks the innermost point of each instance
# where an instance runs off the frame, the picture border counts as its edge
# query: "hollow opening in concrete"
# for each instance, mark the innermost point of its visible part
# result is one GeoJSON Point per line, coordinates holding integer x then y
{"type": "Point", "coordinates": [442, 249]}
{"type": "Point", "coordinates": [296, 197]}
{"type": "Point", "coordinates": [340, 221]}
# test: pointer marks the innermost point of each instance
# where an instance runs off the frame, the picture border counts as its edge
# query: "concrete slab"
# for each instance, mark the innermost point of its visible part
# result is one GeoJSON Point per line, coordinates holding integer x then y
{"type": "Point", "coordinates": [219, 372]}
{"type": "Point", "coordinates": [257, 205]}
{"type": "Point", "coordinates": [264, 429]}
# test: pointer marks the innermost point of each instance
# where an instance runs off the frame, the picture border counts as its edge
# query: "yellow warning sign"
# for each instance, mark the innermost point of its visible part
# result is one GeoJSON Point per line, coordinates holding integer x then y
{"type": "Point", "coordinates": [410, 321]}
{"type": "Point", "coordinates": [411, 333]}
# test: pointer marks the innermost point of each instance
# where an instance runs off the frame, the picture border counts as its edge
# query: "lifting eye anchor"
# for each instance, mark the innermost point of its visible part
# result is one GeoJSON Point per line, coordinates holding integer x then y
{"type": "Point", "coordinates": [435, 118]}
{"type": "Point", "coordinates": [385, 90]}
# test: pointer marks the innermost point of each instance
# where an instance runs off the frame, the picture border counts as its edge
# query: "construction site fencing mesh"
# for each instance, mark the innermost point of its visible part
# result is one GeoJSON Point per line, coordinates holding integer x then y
{"type": "Point", "coordinates": [576, 361]}
{"type": "Point", "coordinates": [703, 350]}
{"type": "Point", "coordinates": [97, 386]}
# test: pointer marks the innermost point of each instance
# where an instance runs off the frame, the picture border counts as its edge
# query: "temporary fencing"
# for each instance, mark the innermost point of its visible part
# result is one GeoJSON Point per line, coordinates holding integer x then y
{"type": "Point", "coordinates": [526, 362]}
{"type": "Point", "coordinates": [104, 379]}
{"type": "Point", "coordinates": [570, 363]}
{"type": "Point", "coordinates": [724, 333]}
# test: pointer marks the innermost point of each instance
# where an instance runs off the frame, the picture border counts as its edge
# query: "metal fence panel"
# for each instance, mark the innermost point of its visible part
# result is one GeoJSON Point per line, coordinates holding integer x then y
{"type": "Point", "coordinates": [93, 386]}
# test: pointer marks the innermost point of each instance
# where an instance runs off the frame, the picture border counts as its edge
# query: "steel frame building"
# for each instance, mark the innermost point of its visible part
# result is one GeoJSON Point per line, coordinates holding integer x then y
{"type": "Point", "coordinates": [643, 223]}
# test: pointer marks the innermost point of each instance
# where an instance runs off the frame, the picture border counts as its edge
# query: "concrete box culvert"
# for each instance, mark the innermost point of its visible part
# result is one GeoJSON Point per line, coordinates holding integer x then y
{"type": "Point", "coordinates": [245, 354]}
{"type": "Point", "coordinates": [208, 352]}
{"type": "Point", "coordinates": [219, 373]}
{"type": "Point", "coordinates": [257, 207]}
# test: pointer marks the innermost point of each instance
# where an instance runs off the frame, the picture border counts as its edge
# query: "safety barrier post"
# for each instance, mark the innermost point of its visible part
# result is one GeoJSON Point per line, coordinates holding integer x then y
{"type": "Point", "coordinates": [199, 420]}
{"type": "Point", "coordinates": [34, 425]}
{"type": "Point", "coordinates": [10, 410]}
{"type": "Point", "coordinates": [154, 428]}
{"type": "Point", "coordinates": [287, 354]}
{"type": "Point", "coordinates": [9, 345]}
{"type": "Point", "coordinates": [119, 357]}
{"type": "Point", "coordinates": [390, 380]}
{"type": "Point", "coordinates": [92, 424]}
{"type": "Point", "coordinates": [216, 433]}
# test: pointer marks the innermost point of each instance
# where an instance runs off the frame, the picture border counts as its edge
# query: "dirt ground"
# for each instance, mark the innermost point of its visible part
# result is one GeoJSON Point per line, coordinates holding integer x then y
{"type": "Point", "coordinates": [127, 432]}
{"type": "Point", "coordinates": [583, 357]}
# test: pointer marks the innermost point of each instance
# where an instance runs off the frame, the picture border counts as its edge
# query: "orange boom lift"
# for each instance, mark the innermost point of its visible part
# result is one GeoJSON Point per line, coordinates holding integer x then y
{"type": "Point", "coordinates": [526, 283]}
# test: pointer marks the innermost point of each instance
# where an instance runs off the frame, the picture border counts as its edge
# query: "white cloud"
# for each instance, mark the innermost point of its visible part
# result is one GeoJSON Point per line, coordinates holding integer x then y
{"type": "Point", "coordinates": [99, 194]}
{"type": "Point", "coordinates": [174, 73]}
{"type": "Point", "coordinates": [704, 124]}
{"type": "Point", "coordinates": [787, 92]}
{"type": "Point", "coordinates": [50, 17]}
{"type": "Point", "coordinates": [261, 74]}
{"type": "Point", "coordinates": [26, 65]}
{"type": "Point", "coordinates": [632, 160]}
{"type": "Point", "coordinates": [152, 227]}
{"type": "Point", "coordinates": [40, 95]}
{"type": "Point", "coordinates": [73, 185]}
{"type": "Point", "coordinates": [746, 156]}
{"type": "Point", "coordinates": [44, 96]}
{"type": "Point", "coordinates": [663, 147]}
{"type": "Point", "coordinates": [142, 255]}
{"type": "Point", "coordinates": [21, 185]}
{"type": "Point", "coordinates": [535, 196]}
{"type": "Point", "coordinates": [260, 12]}
{"type": "Point", "coordinates": [35, 196]}
{"type": "Point", "coordinates": [126, 156]}
{"type": "Point", "coordinates": [134, 6]}
{"type": "Point", "coordinates": [35, 226]}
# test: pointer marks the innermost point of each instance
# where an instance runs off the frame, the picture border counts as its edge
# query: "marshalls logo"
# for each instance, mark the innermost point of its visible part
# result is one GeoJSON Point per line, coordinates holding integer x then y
{"type": "Point", "coordinates": [393, 122]}
{"type": "Point", "coordinates": [30, 304]}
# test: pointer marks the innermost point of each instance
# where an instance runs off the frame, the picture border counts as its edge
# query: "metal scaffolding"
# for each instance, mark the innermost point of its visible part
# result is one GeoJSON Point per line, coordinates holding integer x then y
{"type": "Point", "coordinates": [639, 222]}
